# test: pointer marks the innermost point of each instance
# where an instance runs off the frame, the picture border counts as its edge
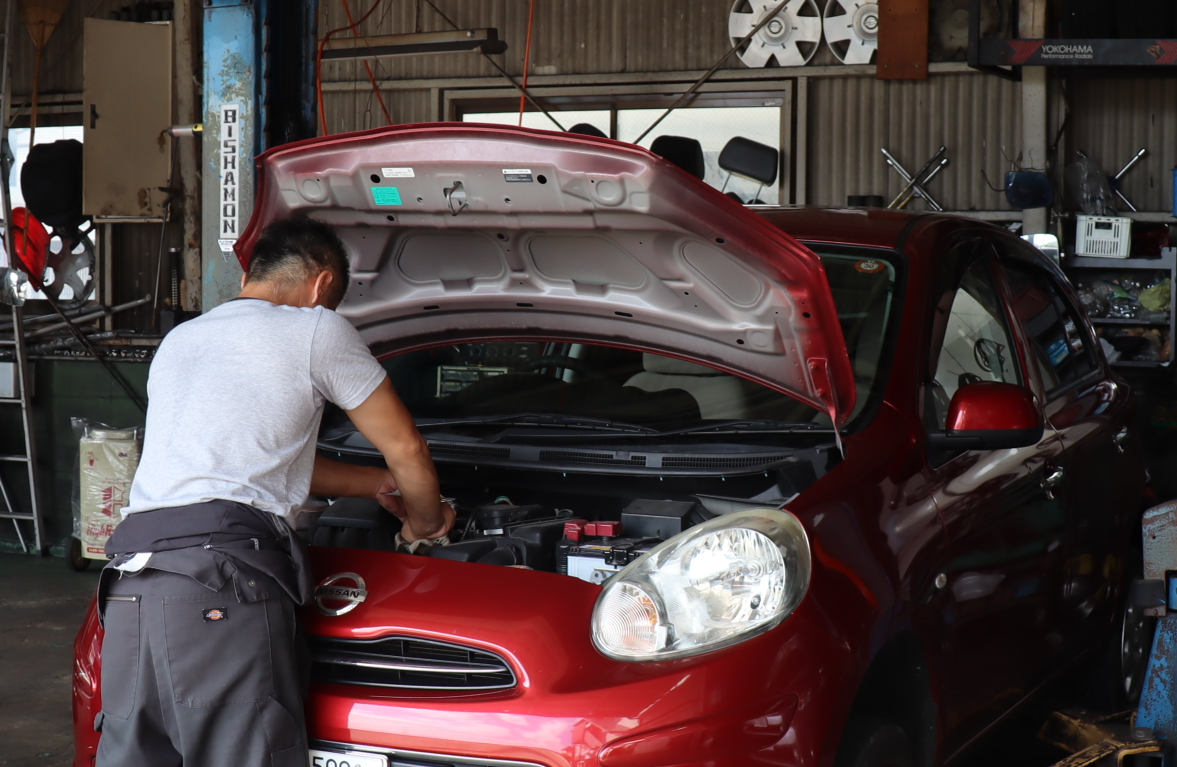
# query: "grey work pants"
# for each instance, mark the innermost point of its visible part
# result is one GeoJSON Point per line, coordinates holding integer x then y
{"type": "Point", "coordinates": [193, 677]}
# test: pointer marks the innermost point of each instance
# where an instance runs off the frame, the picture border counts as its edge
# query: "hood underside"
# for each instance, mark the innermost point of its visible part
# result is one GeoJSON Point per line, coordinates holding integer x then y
{"type": "Point", "coordinates": [468, 231]}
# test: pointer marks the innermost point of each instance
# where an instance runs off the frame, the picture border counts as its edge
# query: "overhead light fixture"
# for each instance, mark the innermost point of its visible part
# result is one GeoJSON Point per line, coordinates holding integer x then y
{"type": "Point", "coordinates": [457, 41]}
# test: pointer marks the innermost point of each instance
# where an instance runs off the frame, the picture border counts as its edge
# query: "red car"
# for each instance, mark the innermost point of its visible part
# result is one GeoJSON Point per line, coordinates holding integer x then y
{"type": "Point", "coordinates": [736, 487]}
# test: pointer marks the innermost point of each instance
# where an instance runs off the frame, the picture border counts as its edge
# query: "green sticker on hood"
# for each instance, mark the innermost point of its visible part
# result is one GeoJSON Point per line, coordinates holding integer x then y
{"type": "Point", "coordinates": [386, 195]}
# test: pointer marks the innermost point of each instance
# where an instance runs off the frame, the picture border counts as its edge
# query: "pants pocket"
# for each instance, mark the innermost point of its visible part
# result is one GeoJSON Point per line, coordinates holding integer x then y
{"type": "Point", "coordinates": [120, 655]}
{"type": "Point", "coordinates": [218, 648]}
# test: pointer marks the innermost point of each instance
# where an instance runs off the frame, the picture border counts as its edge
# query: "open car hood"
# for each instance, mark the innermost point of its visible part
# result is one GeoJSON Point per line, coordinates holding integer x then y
{"type": "Point", "coordinates": [478, 231]}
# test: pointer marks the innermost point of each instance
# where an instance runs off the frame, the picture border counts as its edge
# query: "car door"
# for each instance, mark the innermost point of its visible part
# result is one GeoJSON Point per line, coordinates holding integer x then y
{"type": "Point", "coordinates": [1103, 472]}
{"type": "Point", "coordinates": [1004, 531]}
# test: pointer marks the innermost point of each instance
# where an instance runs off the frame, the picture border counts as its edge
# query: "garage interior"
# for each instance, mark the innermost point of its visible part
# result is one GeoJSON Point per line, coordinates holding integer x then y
{"type": "Point", "coordinates": [1045, 119]}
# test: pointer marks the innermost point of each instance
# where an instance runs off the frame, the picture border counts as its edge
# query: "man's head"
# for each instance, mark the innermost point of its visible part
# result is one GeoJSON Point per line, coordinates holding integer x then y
{"type": "Point", "coordinates": [300, 261]}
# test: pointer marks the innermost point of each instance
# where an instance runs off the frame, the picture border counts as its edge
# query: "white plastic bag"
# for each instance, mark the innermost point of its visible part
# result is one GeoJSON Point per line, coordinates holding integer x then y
{"type": "Point", "coordinates": [107, 459]}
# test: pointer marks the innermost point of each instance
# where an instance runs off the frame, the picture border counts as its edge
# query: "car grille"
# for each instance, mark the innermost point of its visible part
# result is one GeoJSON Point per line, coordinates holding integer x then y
{"type": "Point", "coordinates": [403, 662]}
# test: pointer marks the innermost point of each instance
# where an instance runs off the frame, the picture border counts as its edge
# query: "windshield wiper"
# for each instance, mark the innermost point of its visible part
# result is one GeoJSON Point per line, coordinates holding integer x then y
{"type": "Point", "coordinates": [539, 419]}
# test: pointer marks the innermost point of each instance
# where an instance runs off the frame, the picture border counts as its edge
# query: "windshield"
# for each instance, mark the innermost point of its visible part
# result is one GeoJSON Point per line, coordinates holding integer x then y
{"type": "Point", "coordinates": [592, 386]}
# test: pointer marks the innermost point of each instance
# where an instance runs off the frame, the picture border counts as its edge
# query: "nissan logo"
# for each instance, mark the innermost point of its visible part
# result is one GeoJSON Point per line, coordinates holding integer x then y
{"type": "Point", "coordinates": [335, 598]}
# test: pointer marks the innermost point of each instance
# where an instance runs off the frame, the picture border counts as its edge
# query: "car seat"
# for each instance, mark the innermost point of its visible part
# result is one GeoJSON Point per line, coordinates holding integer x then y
{"type": "Point", "coordinates": [720, 395]}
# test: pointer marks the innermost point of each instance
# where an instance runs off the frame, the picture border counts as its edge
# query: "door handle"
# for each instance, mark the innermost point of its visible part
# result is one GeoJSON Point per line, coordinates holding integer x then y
{"type": "Point", "coordinates": [1051, 481]}
{"type": "Point", "coordinates": [1121, 439]}
{"type": "Point", "coordinates": [93, 117]}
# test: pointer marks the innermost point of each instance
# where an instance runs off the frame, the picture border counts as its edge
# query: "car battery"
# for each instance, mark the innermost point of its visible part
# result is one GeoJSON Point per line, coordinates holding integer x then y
{"type": "Point", "coordinates": [599, 552]}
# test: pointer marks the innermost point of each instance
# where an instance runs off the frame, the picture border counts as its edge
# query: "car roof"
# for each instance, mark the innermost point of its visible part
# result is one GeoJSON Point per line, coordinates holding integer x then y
{"type": "Point", "coordinates": [875, 227]}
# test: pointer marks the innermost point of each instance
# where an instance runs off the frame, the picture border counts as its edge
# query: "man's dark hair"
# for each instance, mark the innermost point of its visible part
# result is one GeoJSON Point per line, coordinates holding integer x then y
{"type": "Point", "coordinates": [296, 249]}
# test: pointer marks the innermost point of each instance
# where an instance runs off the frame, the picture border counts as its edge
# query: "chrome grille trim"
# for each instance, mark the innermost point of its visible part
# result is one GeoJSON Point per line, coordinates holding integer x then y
{"type": "Point", "coordinates": [339, 659]}
{"type": "Point", "coordinates": [408, 663]}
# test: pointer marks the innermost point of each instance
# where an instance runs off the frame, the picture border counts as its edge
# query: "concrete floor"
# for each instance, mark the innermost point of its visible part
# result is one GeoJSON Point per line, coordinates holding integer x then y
{"type": "Point", "coordinates": [42, 603]}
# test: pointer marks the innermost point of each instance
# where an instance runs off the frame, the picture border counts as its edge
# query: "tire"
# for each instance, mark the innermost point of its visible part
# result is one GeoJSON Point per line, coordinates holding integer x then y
{"type": "Point", "coordinates": [74, 558]}
{"type": "Point", "coordinates": [872, 741]}
{"type": "Point", "coordinates": [1119, 677]}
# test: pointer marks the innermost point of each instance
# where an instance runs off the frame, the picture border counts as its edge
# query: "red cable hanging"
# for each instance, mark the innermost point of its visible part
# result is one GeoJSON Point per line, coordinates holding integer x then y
{"type": "Point", "coordinates": [371, 77]}
{"type": "Point", "coordinates": [526, 60]}
{"type": "Point", "coordinates": [319, 61]}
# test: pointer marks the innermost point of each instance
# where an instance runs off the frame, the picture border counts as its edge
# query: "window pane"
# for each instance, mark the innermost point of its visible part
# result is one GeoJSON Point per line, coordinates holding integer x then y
{"type": "Point", "coordinates": [713, 127]}
{"type": "Point", "coordinates": [863, 286]}
{"type": "Point", "coordinates": [598, 118]}
{"type": "Point", "coordinates": [1059, 347]}
{"type": "Point", "coordinates": [976, 343]}
{"type": "Point", "coordinates": [19, 138]}
{"type": "Point", "coordinates": [525, 376]}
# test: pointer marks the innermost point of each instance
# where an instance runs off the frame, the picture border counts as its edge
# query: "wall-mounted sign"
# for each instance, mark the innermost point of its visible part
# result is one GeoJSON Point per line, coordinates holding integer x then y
{"type": "Point", "coordinates": [230, 172]}
{"type": "Point", "coordinates": [1107, 53]}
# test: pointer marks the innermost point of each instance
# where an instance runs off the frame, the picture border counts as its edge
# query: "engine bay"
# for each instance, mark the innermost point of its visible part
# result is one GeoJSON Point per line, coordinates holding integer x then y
{"type": "Point", "coordinates": [572, 524]}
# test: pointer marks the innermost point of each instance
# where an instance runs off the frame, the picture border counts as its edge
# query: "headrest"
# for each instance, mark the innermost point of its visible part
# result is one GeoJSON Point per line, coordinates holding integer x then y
{"type": "Point", "coordinates": [750, 159]}
{"type": "Point", "coordinates": [587, 129]}
{"type": "Point", "coordinates": [686, 153]}
{"type": "Point", "coordinates": [656, 363]}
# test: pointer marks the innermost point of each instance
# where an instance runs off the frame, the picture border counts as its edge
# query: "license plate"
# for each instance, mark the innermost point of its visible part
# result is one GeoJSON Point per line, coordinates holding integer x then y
{"type": "Point", "coordinates": [321, 758]}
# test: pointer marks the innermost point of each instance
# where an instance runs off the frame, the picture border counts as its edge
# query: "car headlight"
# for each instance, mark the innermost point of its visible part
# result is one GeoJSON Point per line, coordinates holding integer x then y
{"type": "Point", "coordinates": [711, 586]}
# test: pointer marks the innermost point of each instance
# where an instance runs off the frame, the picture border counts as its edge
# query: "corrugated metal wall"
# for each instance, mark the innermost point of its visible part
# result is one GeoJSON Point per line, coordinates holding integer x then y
{"type": "Point", "coordinates": [1110, 120]}
{"type": "Point", "coordinates": [626, 36]}
{"type": "Point", "coordinates": [61, 63]}
{"type": "Point", "coordinates": [978, 117]}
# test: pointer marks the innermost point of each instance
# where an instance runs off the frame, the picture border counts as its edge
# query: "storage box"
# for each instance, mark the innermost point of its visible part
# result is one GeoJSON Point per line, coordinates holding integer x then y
{"type": "Point", "coordinates": [1106, 236]}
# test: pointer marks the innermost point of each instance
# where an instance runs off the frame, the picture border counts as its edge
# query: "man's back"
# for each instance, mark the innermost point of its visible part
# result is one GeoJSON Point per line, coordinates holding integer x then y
{"type": "Point", "coordinates": [235, 400]}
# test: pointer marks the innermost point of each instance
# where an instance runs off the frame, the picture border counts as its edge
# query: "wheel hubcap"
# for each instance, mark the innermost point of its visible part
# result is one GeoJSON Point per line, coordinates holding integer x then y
{"type": "Point", "coordinates": [866, 21]}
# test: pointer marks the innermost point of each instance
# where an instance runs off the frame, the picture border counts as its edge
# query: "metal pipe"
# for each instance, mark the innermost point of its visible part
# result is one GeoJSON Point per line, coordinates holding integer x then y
{"type": "Point", "coordinates": [93, 314]}
{"type": "Point", "coordinates": [918, 190]}
{"type": "Point", "coordinates": [917, 176]}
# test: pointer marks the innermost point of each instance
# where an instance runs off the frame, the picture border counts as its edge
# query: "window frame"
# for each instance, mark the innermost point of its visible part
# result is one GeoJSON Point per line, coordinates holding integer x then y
{"type": "Point", "coordinates": [955, 267]}
{"type": "Point", "coordinates": [1030, 263]}
{"type": "Point", "coordinates": [457, 103]}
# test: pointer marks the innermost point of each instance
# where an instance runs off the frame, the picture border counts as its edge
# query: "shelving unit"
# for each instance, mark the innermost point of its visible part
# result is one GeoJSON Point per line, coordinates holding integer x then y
{"type": "Point", "coordinates": [1089, 267]}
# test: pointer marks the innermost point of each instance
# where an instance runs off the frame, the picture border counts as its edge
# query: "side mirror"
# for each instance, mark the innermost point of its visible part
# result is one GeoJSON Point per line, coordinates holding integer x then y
{"type": "Point", "coordinates": [1047, 243]}
{"type": "Point", "coordinates": [989, 415]}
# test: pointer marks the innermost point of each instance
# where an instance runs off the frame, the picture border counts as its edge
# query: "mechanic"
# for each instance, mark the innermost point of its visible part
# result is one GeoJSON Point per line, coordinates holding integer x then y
{"type": "Point", "coordinates": [203, 659]}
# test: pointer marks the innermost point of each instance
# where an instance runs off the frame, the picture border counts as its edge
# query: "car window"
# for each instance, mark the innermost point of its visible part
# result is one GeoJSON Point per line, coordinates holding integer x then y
{"type": "Point", "coordinates": [486, 379]}
{"type": "Point", "coordinates": [1058, 343]}
{"type": "Point", "coordinates": [863, 284]}
{"type": "Point", "coordinates": [977, 344]}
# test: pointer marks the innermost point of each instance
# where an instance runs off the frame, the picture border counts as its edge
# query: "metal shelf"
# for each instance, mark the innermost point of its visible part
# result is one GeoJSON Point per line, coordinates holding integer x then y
{"type": "Point", "coordinates": [1167, 262]}
{"type": "Point", "coordinates": [1121, 321]}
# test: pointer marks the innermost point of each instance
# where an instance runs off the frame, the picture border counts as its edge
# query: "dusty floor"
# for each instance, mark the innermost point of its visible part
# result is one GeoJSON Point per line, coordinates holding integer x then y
{"type": "Point", "coordinates": [42, 603]}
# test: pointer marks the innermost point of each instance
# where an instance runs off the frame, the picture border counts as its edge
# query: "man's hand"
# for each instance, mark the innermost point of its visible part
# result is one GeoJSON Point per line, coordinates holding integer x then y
{"type": "Point", "coordinates": [447, 512]}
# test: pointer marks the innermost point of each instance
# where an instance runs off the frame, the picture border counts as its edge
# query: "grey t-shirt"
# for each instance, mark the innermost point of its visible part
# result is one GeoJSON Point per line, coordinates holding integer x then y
{"type": "Point", "coordinates": [236, 396]}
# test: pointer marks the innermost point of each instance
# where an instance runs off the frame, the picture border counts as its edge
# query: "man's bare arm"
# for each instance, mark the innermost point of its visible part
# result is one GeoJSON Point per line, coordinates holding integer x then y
{"type": "Point", "coordinates": [388, 425]}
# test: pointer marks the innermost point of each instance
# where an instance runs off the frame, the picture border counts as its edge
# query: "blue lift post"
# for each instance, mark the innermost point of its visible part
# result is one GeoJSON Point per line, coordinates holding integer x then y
{"type": "Point", "coordinates": [233, 93]}
{"type": "Point", "coordinates": [259, 63]}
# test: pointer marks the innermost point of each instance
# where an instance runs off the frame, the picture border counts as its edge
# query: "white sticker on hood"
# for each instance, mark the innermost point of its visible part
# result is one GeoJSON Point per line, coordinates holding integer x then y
{"type": "Point", "coordinates": [517, 174]}
{"type": "Point", "coordinates": [398, 172]}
